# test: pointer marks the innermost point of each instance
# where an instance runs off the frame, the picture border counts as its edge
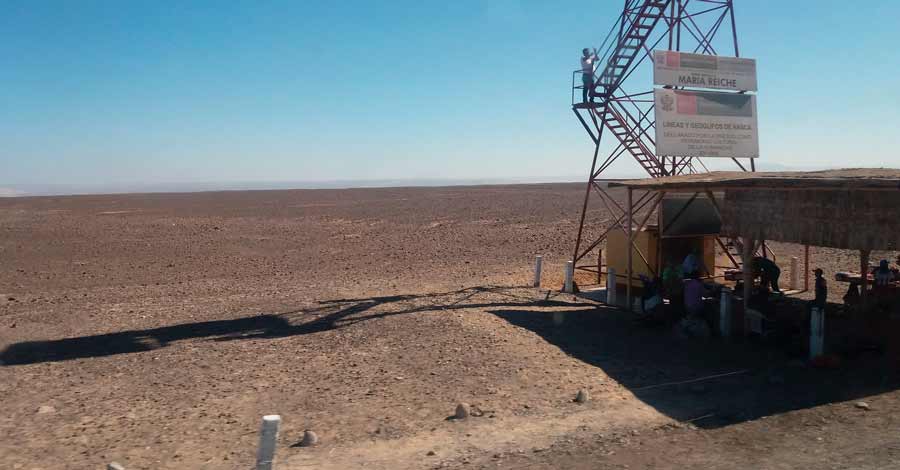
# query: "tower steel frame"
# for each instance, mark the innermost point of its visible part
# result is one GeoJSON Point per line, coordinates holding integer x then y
{"type": "Point", "coordinates": [620, 108]}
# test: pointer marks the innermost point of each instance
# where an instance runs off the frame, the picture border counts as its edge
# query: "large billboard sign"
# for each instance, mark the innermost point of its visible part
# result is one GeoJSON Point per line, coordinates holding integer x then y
{"type": "Point", "coordinates": [682, 69]}
{"type": "Point", "coordinates": [706, 124]}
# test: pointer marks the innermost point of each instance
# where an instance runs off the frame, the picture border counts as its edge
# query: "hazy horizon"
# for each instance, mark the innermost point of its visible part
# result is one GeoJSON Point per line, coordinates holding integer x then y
{"type": "Point", "coordinates": [28, 190]}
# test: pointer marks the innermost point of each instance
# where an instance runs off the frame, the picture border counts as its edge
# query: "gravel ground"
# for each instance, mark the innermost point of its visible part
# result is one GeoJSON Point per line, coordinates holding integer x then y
{"type": "Point", "coordinates": [155, 330]}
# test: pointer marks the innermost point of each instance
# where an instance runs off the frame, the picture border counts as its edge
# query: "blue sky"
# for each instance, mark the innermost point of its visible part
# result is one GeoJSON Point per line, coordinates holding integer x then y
{"type": "Point", "coordinates": [141, 92]}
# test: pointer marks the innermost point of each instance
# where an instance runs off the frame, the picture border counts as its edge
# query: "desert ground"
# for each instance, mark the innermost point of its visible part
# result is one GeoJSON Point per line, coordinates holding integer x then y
{"type": "Point", "coordinates": [155, 330]}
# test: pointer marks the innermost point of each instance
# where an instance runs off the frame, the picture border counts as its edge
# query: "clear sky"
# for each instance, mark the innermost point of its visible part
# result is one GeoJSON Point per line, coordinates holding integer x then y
{"type": "Point", "coordinates": [144, 91]}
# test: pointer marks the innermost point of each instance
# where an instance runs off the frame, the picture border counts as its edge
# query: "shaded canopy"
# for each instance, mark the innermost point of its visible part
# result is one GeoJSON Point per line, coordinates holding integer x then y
{"type": "Point", "coordinates": [849, 209]}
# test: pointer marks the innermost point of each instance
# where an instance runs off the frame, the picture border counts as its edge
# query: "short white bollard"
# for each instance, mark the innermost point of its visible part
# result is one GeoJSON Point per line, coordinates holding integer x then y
{"type": "Point", "coordinates": [795, 273]}
{"type": "Point", "coordinates": [570, 272]}
{"type": "Point", "coordinates": [268, 436]}
{"type": "Point", "coordinates": [817, 333]}
{"type": "Point", "coordinates": [538, 262]}
{"type": "Point", "coordinates": [611, 286]}
{"type": "Point", "coordinates": [725, 316]}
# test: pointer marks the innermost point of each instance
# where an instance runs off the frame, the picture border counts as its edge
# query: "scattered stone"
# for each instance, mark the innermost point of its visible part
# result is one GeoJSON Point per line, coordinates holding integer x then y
{"type": "Point", "coordinates": [863, 405]}
{"type": "Point", "coordinates": [115, 466]}
{"type": "Point", "coordinates": [582, 396]}
{"type": "Point", "coordinates": [46, 409]}
{"type": "Point", "coordinates": [431, 453]}
{"type": "Point", "coordinates": [309, 439]}
{"type": "Point", "coordinates": [12, 326]}
{"type": "Point", "coordinates": [11, 299]}
{"type": "Point", "coordinates": [463, 410]}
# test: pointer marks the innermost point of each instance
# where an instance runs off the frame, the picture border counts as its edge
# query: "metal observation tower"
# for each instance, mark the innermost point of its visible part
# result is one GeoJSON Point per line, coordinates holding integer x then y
{"type": "Point", "coordinates": [619, 116]}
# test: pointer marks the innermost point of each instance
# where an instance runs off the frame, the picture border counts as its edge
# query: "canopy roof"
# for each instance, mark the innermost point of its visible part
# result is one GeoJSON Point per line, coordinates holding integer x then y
{"type": "Point", "coordinates": [846, 179]}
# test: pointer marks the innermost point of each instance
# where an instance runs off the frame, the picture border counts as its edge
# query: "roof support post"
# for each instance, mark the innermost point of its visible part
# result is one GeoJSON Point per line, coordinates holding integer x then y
{"type": "Point", "coordinates": [747, 261]}
{"type": "Point", "coordinates": [864, 275]}
{"type": "Point", "coordinates": [630, 236]}
{"type": "Point", "coordinates": [806, 268]}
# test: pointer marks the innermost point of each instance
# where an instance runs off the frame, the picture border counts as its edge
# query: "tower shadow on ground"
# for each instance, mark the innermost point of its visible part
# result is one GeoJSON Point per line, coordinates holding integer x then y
{"type": "Point", "coordinates": [324, 316]}
{"type": "Point", "coordinates": [658, 368]}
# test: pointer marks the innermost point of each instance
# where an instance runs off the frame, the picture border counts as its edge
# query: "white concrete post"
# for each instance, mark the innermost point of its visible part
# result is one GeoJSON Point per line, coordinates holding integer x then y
{"type": "Point", "coordinates": [570, 271]}
{"type": "Point", "coordinates": [817, 333]}
{"type": "Point", "coordinates": [795, 273]}
{"type": "Point", "coordinates": [268, 435]}
{"type": "Point", "coordinates": [725, 316]}
{"type": "Point", "coordinates": [538, 261]}
{"type": "Point", "coordinates": [611, 286]}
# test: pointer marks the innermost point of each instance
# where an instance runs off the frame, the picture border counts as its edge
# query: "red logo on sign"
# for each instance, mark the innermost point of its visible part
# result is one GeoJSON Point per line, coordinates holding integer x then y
{"type": "Point", "coordinates": [686, 104]}
{"type": "Point", "coordinates": [673, 59]}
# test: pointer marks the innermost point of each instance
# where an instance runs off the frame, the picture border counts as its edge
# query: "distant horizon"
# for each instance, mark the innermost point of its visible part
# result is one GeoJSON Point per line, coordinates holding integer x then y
{"type": "Point", "coordinates": [214, 186]}
{"type": "Point", "coordinates": [36, 190]}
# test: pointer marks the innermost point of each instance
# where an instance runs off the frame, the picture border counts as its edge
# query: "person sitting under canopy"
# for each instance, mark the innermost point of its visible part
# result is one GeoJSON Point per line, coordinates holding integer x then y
{"type": "Point", "coordinates": [768, 270]}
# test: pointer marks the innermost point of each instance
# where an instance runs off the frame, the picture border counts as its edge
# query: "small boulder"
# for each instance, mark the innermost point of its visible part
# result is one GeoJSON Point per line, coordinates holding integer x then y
{"type": "Point", "coordinates": [463, 410]}
{"type": "Point", "coordinates": [46, 409]}
{"type": "Point", "coordinates": [863, 405]}
{"type": "Point", "coordinates": [582, 396]}
{"type": "Point", "coordinates": [309, 439]}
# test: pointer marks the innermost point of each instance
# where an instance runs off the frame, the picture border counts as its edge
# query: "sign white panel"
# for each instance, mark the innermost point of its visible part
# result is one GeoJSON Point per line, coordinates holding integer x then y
{"type": "Point", "coordinates": [673, 68]}
{"type": "Point", "coordinates": [705, 124]}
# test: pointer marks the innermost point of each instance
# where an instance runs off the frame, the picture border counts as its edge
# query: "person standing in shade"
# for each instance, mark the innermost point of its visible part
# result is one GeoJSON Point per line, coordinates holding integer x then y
{"type": "Point", "coordinates": [882, 275]}
{"type": "Point", "coordinates": [821, 290]}
{"type": "Point", "coordinates": [588, 60]}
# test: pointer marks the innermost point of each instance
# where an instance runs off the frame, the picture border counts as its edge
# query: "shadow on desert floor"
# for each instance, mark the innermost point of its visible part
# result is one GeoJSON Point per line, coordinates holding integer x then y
{"type": "Point", "coordinates": [709, 382]}
{"type": "Point", "coordinates": [326, 315]}
{"type": "Point", "coordinates": [752, 379]}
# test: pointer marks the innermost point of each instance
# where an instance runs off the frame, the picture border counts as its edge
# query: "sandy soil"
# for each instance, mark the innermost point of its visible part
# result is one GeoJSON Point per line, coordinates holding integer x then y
{"type": "Point", "coordinates": [156, 330]}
